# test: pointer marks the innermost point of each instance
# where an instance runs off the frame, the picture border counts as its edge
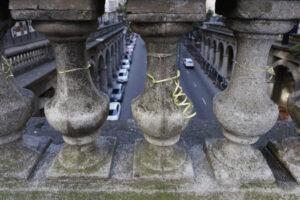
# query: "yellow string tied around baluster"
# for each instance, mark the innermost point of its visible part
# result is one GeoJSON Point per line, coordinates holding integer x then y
{"type": "Point", "coordinates": [269, 70]}
{"type": "Point", "coordinates": [178, 92]}
{"type": "Point", "coordinates": [6, 68]}
{"type": "Point", "coordinates": [73, 70]}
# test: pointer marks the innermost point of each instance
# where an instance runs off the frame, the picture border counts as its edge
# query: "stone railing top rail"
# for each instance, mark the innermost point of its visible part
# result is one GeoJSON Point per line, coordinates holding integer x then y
{"type": "Point", "coordinates": [166, 11]}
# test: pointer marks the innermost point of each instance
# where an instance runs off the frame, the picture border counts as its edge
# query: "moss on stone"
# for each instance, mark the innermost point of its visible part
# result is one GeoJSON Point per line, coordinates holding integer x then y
{"type": "Point", "coordinates": [259, 196]}
{"type": "Point", "coordinates": [47, 195]}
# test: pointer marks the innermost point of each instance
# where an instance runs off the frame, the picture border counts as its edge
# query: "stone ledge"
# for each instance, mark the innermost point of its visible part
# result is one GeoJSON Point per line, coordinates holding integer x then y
{"type": "Point", "coordinates": [121, 184]}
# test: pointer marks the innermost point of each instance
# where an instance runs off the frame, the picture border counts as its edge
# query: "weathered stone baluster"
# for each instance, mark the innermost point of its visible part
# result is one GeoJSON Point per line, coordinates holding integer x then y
{"type": "Point", "coordinates": [17, 157]}
{"type": "Point", "coordinates": [244, 109]}
{"type": "Point", "coordinates": [154, 111]}
{"type": "Point", "coordinates": [77, 110]}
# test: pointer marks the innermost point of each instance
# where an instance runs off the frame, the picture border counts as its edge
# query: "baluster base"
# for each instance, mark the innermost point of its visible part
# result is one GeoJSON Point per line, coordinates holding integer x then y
{"type": "Point", "coordinates": [288, 153]}
{"type": "Point", "coordinates": [155, 163]}
{"type": "Point", "coordinates": [235, 164]}
{"type": "Point", "coordinates": [18, 159]}
{"type": "Point", "coordinates": [83, 162]}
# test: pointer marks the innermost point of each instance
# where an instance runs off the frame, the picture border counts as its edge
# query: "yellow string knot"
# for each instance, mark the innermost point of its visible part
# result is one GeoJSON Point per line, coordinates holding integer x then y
{"type": "Point", "coordinates": [73, 70]}
{"type": "Point", "coordinates": [6, 67]}
{"type": "Point", "coordinates": [178, 92]}
{"type": "Point", "coordinates": [270, 70]}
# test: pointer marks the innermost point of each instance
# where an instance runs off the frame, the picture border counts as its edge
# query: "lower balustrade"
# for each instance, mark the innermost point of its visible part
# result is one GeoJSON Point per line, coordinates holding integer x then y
{"type": "Point", "coordinates": [119, 182]}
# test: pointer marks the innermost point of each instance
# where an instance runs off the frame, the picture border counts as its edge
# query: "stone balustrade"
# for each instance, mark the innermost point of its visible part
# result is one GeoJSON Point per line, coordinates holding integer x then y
{"type": "Point", "coordinates": [162, 165]}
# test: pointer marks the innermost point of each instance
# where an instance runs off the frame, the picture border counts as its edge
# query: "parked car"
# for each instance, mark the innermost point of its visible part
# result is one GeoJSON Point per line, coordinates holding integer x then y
{"type": "Point", "coordinates": [129, 52]}
{"type": "Point", "coordinates": [188, 63]}
{"type": "Point", "coordinates": [125, 64]}
{"type": "Point", "coordinates": [128, 57]}
{"type": "Point", "coordinates": [114, 111]}
{"type": "Point", "coordinates": [117, 92]}
{"type": "Point", "coordinates": [122, 76]}
{"type": "Point", "coordinates": [130, 47]}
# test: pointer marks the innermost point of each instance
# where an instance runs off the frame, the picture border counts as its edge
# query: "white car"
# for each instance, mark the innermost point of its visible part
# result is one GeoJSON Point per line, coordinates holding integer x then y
{"type": "Point", "coordinates": [122, 76]}
{"type": "Point", "coordinates": [125, 64]}
{"type": "Point", "coordinates": [130, 47]}
{"type": "Point", "coordinates": [188, 63]}
{"type": "Point", "coordinates": [114, 111]}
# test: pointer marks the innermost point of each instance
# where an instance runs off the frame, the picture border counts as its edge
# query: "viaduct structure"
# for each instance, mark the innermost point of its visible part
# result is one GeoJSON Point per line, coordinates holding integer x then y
{"type": "Point", "coordinates": [245, 154]}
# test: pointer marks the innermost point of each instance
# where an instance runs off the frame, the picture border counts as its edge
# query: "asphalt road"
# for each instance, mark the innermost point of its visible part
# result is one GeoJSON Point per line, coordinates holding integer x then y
{"type": "Point", "coordinates": [195, 83]}
{"type": "Point", "coordinates": [198, 87]}
{"type": "Point", "coordinates": [137, 77]}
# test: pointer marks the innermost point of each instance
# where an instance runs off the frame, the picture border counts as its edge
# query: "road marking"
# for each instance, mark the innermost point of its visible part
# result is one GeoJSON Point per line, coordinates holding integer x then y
{"type": "Point", "coordinates": [187, 72]}
{"type": "Point", "coordinates": [204, 101]}
{"type": "Point", "coordinates": [195, 85]}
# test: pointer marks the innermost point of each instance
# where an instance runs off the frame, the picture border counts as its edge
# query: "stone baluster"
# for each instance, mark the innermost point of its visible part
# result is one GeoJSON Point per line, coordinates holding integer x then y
{"type": "Point", "coordinates": [78, 109]}
{"type": "Point", "coordinates": [244, 109]}
{"type": "Point", "coordinates": [161, 156]}
{"type": "Point", "coordinates": [18, 155]}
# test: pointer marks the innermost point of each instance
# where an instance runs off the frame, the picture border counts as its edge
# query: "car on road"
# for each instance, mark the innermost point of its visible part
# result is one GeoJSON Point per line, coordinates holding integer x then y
{"type": "Point", "coordinates": [117, 92]}
{"type": "Point", "coordinates": [114, 111]}
{"type": "Point", "coordinates": [188, 63]}
{"type": "Point", "coordinates": [125, 64]}
{"type": "Point", "coordinates": [128, 57]}
{"type": "Point", "coordinates": [130, 47]}
{"type": "Point", "coordinates": [122, 76]}
{"type": "Point", "coordinates": [129, 52]}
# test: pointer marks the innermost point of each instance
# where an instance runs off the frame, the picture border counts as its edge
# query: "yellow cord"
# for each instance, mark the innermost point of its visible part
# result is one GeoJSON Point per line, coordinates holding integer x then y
{"type": "Point", "coordinates": [6, 68]}
{"type": "Point", "coordinates": [269, 69]}
{"type": "Point", "coordinates": [178, 92]}
{"type": "Point", "coordinates": [72, 70]}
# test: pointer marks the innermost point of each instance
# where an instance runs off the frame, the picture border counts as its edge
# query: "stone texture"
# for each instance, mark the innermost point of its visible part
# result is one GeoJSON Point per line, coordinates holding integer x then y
{"type": "Point", "coordinates": [85, 164]}
{"type": "Point", "coordinates": [288, 152]}
{"type": "Point", "coordinates": [244, 109]}
{"type": "Point", "coordinates": [167, 6]}
{"type": "Point", "coordinates": [122, 185]}
{"type": "Point", "coordinates": [166, 11]}
{"type": "Point", "coordinates": [155, 163]}
{"type": "Point", "coordinates": [257, 9]}
{"type": "Point", "coordinates": [237, 167]}
{"type": "Point", "coordinates": [154, 110]}
{"type": "Point", "coordinates": [18, 159]}
{"type": "Point", "coordinates": [56, 10]}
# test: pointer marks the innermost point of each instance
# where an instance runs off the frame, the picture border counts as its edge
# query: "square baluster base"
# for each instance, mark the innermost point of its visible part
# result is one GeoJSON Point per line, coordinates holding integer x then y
{"type": "Point", "coordinates": [71, 164]}
{"type": "Point", "coordinates": [155, 163]}
{"type": "Point", "coordinates": [18, 159]}
{"type": "Point", "coordinates": [288, 152]}
{"type": "Point", "coordinates": [237, 168]}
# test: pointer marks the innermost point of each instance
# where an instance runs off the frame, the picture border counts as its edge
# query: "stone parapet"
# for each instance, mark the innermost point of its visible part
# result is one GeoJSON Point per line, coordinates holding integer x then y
{"type": "Point", "coordinates": [122, 185]}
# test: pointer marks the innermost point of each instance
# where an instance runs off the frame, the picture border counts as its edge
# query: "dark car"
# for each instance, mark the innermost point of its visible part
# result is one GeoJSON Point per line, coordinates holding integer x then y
{"type": "Point", "coordinates": [117, 92]}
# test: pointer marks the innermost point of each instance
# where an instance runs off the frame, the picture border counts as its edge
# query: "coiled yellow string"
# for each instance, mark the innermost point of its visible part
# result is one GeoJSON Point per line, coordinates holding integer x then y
{"type": "Point", "coordinates": [269, 70]}
{"type": "Point", "coordinates": [6, 67]}
{"type": "Point", "coordinates": [178, 92]}
{"type": "Point", "coordinates": [73, 70]}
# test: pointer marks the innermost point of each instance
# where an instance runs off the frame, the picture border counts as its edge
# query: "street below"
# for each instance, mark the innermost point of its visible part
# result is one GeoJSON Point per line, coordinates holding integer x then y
{"type": "Point", "coordinates": [195, 83]}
